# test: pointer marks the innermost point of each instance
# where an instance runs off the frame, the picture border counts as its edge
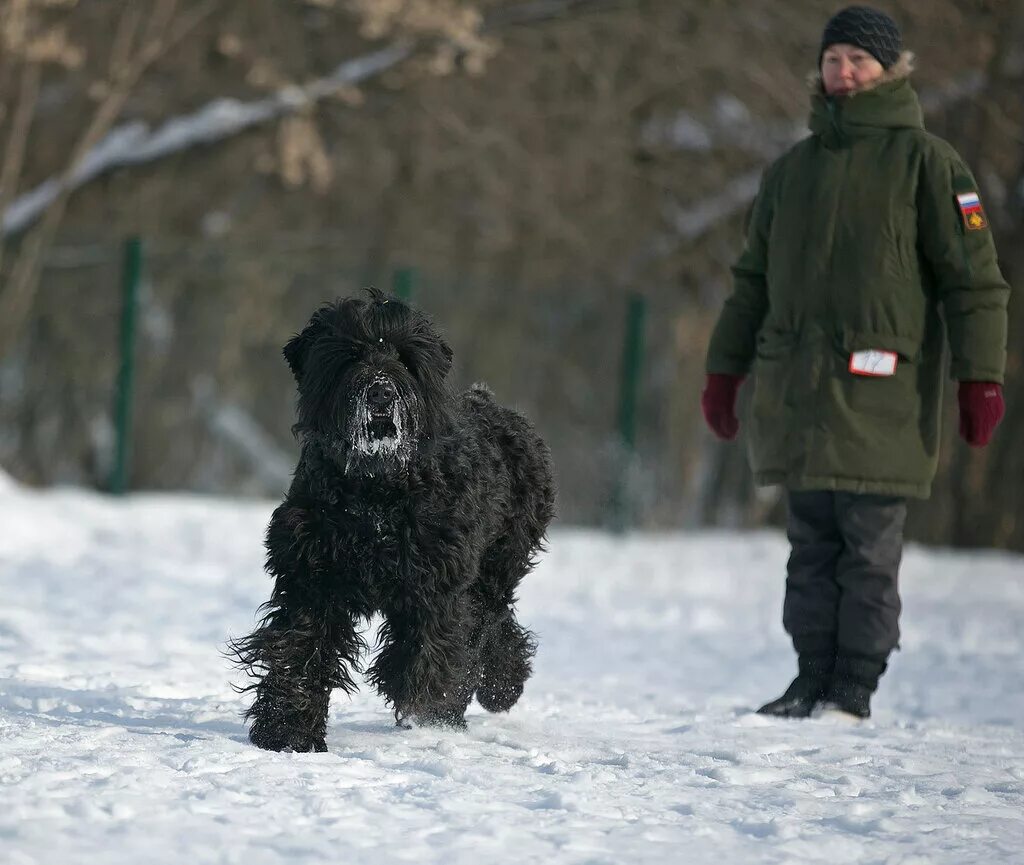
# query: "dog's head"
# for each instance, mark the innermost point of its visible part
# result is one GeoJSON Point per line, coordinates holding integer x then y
{"type": "Point", "coordinates": [371, 379]}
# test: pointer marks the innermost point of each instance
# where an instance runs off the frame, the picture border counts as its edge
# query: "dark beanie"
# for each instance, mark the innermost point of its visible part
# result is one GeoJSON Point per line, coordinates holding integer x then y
{"type": "Point", "coordinates": [866, 28]}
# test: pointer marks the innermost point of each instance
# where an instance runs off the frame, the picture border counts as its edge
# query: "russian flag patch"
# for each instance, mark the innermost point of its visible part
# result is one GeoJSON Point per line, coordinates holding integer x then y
{"type": "Point", "coordinates": [970, 210]}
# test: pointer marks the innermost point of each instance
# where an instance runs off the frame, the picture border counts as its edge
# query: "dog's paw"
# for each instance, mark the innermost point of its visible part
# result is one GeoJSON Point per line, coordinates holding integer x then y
{"type": "Point", "coordinates": [429, 713]}
{"type": "Point", "coordinates": [438, 716]}
{"type": "Point", "coordinates": [506, 667]}
{"type": "Point", "coordinates": [276, 737]}
{"type": "Point", "coordinates": [499, 696]}
{"type": "Point", "coordinates": [315, 746]}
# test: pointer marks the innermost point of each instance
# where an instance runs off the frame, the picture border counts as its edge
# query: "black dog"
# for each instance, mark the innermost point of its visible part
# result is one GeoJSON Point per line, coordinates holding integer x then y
{"type": "Point", "coordinates": [408, 501]}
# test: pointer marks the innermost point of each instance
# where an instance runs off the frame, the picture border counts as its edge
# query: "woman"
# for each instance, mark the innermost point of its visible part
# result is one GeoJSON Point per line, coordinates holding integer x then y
{"type": "Point", "coordinates": [859, 236]}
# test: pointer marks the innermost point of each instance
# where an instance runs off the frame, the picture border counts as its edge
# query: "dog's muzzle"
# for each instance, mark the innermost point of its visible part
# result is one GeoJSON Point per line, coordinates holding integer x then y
{"type": "Point", "coordinates": [382, 419]}
{"type": "Point", "coordinates": [382, 434]}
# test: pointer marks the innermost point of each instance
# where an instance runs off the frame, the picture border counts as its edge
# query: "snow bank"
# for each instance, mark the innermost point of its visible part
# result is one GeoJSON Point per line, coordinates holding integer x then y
{"type": "Point", "coordinates": [121, 741]}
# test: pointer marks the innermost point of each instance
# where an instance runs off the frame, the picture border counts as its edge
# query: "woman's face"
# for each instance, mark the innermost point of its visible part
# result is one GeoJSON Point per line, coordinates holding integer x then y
{"type": "Point", "coordinates": [846, 69]}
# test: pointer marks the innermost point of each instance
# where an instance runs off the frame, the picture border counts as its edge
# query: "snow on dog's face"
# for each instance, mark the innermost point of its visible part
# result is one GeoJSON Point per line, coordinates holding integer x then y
{"type": "Point", "coordinates": [371, 383]}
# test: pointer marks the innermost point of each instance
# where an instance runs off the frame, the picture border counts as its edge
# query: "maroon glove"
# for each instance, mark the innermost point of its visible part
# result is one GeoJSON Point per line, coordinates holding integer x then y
{"type": "Point", "coordinates": [981, 409]}
{"type": "Point", "coordinates": [718, 402]}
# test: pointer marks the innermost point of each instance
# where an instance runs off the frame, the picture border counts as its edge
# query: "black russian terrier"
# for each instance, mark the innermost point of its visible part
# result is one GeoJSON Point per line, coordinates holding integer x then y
{"type": "Point", "coordinates": [409, 501]}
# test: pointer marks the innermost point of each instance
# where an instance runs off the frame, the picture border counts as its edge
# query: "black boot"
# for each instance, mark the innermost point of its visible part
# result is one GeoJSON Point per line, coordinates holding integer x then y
{"type": "Point", "coordinates": [806, 690]}
{"type": "Point", "coordinates": [854, 680]}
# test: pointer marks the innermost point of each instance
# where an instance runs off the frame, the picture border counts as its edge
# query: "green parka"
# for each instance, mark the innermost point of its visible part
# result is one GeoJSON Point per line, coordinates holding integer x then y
{"type": "Point", "coordinates": [856, 240]}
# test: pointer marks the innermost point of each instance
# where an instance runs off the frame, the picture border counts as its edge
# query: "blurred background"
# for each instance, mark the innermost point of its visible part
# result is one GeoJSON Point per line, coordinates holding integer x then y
{"type": "Point", "coordinates": [561, 183]}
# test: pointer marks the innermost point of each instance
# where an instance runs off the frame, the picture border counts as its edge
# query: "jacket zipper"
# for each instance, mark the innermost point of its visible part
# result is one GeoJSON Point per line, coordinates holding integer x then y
{"type": "Point", "coordinates": [844, 156]}
{"type": "Point", "coordinates": [840, 137]}
{"type": "Point", "coordinates": [828, 314]}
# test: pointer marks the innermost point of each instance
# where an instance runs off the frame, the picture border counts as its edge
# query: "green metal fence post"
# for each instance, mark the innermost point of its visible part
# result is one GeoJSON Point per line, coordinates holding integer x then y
{"type": "Point", "coordinates": [131, 276]}
{"type": "Point", "coordinates": [402, 283]}
{"type": "Point", "coordinates": [629, 388]}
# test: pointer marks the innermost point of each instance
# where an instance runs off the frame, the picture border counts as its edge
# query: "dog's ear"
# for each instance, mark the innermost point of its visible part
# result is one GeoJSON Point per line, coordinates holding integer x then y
{"type": "Point", "coordinates": [296, 350]}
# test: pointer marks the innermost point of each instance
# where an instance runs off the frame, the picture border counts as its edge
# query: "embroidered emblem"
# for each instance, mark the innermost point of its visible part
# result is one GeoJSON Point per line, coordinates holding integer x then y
{"type": "Point", "coordinates": [873, 362]}
{"type": "Point", "coordinates": [970, 210]}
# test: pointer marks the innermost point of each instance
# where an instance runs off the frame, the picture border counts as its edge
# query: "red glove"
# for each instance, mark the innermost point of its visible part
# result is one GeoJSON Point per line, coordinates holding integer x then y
{"type": "Point", "coordinates": [981, 409]}
{"type": "Point", "coordinates": [718, 402]}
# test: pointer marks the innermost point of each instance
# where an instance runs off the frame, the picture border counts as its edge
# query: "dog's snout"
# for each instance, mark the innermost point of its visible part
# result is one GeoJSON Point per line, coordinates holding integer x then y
{"type": "Point", "coordinates": [380, 395]}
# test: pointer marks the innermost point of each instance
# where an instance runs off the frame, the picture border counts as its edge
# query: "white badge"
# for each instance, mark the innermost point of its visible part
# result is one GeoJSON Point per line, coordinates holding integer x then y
{"type": "Point", "coordinates": [872, 361]}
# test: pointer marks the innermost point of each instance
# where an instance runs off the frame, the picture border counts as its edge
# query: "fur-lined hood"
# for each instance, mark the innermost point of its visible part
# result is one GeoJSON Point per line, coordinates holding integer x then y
{"type": "Point", "coordinates": [900, 69]}
{"type": "Point", "coordinates": [890, 103]}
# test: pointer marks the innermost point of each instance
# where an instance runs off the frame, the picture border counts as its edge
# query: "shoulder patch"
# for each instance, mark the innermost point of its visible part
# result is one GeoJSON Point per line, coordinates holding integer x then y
{"type": "Point", "coordinates": [971, 211]}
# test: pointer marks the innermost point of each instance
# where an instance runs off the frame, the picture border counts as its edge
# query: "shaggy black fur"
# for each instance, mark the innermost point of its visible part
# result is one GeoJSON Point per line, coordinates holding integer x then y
{"type": "Point", "coordinates": [409, 501]}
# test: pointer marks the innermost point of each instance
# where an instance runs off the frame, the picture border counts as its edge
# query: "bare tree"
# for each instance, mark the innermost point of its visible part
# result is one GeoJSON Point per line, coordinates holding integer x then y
{"type": "Point", "coordinates": [32, 39]}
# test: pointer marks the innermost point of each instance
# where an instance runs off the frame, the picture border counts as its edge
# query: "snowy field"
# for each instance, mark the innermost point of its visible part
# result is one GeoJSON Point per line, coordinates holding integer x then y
{"type": "Point", "coordinates": [121, 742]}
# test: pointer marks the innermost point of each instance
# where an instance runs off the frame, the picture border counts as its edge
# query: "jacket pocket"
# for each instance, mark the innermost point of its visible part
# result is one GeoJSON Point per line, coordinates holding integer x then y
{"type": "Point", "coordinates": [893, 397]}
{"type": "Point", "coordinates": [772, 371]}
{"type": "Point", "coordinates": [773, 344]}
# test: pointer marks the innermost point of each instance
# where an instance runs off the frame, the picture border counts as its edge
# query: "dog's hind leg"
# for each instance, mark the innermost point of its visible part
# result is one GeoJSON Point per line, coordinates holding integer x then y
{"type": "Point", "coordinates": [507, 648]}
{"type": "Point", "coordinates": [505, 663]}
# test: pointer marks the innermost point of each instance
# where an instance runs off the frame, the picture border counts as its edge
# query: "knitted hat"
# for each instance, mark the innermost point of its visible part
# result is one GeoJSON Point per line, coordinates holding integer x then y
{"type": "Point", "coordinates": [866, 28]}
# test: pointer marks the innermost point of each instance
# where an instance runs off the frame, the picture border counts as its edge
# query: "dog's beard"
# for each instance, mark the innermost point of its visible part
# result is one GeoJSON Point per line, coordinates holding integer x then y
{"type": "Point", "coordinates": [381, 443]}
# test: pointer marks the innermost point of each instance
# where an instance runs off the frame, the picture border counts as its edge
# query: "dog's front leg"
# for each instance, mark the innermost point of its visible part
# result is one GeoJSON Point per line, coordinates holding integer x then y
{"type": "Point", "coordinates": [298, 655]}
{"type": "Point", "coordinates": [305, 646]}
{"type": "Point", "coordinates": [425, 668]}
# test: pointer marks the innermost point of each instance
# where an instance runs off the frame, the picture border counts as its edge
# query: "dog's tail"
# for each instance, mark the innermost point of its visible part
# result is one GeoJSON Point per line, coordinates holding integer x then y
{"type": "Point", "coordinates": [481, 389]}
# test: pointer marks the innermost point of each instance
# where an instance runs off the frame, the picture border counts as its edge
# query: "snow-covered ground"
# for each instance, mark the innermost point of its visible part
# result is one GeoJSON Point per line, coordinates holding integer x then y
{"type": "Point", "coordinates": [121, 742]}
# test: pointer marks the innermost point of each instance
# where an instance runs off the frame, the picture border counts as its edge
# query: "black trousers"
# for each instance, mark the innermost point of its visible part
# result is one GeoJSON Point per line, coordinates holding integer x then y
{"type": "Point", "coordinates": [841, 584]}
